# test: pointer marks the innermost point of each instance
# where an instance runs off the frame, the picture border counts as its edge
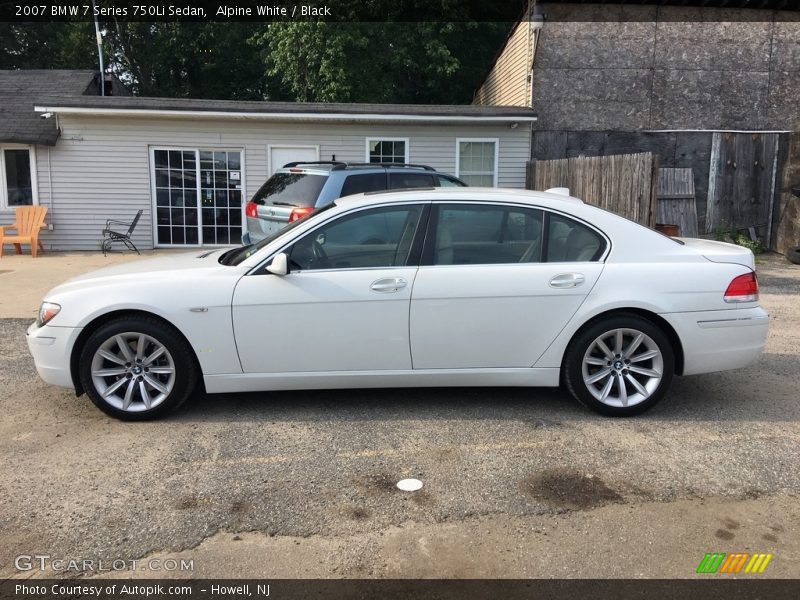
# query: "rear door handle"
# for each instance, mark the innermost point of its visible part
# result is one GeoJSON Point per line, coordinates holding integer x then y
{"type": "Point", "coordinates": [567, 280]}
{"type": "Point", "coordinates": [388, 285]}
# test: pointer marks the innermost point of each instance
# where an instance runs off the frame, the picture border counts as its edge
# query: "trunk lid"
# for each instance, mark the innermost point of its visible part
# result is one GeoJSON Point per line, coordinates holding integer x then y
{"type": "Point", "coordinates": [721, 252]}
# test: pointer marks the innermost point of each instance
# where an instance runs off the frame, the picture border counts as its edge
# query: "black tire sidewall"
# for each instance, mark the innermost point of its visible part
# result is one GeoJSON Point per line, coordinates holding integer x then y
{"type": "Point", "coordinates": [573, 362]}
{"type": "Point", "coordinates": [185, 370]}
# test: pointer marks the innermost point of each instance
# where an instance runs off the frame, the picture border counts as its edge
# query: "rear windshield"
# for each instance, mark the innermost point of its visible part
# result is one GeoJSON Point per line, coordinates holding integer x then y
{"type": "Point", "coordinates": [291, 189]}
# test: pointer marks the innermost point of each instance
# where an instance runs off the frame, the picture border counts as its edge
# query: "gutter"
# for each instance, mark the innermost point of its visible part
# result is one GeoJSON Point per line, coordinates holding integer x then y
{"type": "Point", "coordinates": [282, 116]}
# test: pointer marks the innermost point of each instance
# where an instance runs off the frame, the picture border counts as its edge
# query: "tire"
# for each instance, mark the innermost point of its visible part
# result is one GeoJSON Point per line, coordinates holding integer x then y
{"type": "Point", "coordinates": [641, 358]}
{"type": "Point", "coordinates": [793, 254]}
{"type": "Point", "coordinates": [164, 370]}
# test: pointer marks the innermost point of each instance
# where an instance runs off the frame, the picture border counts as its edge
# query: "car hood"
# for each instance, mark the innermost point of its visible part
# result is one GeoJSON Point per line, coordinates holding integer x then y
{"type": "Point", "coordinates": [721, 252]}
{"type": "Point", "coordinates": [171, 262]}
{"type": "Point", "coordinates": [173, 268]}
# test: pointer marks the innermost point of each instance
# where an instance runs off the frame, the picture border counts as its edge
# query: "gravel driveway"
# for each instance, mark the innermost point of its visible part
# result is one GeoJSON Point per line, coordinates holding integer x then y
{"type": "Point", "coordinates": [517, 482]}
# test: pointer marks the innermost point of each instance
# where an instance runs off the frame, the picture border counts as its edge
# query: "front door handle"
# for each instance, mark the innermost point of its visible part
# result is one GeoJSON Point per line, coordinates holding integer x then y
{"type": "Point", "coordinates": [567, 280]}
{"type": "Point", "coordinates": [388, 285]}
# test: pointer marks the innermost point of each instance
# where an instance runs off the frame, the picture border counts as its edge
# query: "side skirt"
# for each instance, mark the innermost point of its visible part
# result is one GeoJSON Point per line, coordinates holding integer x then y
{"type": "Point", "coordinates": [255, 382]}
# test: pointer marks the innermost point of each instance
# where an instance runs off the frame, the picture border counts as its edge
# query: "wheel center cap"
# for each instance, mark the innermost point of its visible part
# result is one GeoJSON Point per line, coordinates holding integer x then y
{"type": "Point", "coordinates": [618, 365]}
{"type": "Point", "coordinates": [137, 370]}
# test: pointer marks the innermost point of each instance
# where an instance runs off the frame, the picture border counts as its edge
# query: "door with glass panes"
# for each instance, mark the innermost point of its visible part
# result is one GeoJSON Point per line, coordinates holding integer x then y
{"type": "Point", "coordinates": [198, 196]}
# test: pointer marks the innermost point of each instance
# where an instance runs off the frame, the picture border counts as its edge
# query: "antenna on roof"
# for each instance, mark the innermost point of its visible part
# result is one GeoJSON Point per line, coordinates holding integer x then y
{"type": "Point", "coordinates": [99, 39]}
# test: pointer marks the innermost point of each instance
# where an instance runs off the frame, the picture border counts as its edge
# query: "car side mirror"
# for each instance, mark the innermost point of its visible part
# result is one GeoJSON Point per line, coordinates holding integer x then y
{"type": "Point", "coordinates": [279, 264]}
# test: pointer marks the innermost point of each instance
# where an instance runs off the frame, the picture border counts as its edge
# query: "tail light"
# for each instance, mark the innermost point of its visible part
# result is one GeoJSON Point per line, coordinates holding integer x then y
{"type": "Point", "coordinates": [299, 213]}
{"type": "Point", "coordinates": [743, 288]}
{"type": "Point", "coordinates": [251, 210]}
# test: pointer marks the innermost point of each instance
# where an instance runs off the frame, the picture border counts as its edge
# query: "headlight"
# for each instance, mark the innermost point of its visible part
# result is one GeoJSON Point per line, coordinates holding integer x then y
{"type": "Point", "coordinates": [47, 311]}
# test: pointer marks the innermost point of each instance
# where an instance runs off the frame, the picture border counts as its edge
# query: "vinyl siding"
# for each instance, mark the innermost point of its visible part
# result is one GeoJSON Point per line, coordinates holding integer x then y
{"type": "Point", "coordinates": [507, 83]}
{"type": "Point", "coordinates": [100, 166]}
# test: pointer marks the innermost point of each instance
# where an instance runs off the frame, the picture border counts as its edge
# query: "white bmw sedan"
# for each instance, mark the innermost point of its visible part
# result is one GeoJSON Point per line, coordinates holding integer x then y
{"type": "Point", "coordinates": [444, 287]}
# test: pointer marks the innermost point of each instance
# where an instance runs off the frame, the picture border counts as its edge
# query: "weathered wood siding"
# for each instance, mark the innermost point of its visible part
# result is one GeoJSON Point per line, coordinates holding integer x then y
{"type": "Point", "coordinates": [687, 149]}
{"type": "Point", "coordinates": [507, 83]}
{"type": "Point", "coordinates": [624, 184]}
{"type": "Point", "coordinates": [786, 213]}
{"type": "Point", "coordinates": [100, 166]}
{"type": "Point", "coordinates": [623, 67]}
{"type": "Point", "coordinates": [675, 200]}
{"type": "Point", "coordinates": [741, 192]}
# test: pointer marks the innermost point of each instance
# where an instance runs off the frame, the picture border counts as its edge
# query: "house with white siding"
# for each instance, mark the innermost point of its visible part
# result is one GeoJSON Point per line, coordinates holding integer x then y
{"type": "Point", "coordinates": [192, 164]}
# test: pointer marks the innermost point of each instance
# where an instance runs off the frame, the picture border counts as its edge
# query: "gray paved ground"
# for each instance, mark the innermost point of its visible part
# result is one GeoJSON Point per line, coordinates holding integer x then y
{"type": "Point", "coordinates": [517, 482]}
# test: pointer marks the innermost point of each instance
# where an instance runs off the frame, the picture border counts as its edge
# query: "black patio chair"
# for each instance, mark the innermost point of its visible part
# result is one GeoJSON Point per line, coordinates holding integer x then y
{"type": "Point", "coordinates": [110, 236]}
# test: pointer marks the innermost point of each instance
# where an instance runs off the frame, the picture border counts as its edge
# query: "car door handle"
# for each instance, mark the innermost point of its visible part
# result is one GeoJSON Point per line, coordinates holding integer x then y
{"type": "Point", "coordinates": [567, 280]}
{"type": "Point", "coordinates": [390, 284]}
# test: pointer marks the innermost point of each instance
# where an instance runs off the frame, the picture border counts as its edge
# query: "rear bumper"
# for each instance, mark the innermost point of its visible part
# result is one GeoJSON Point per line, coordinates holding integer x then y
{"type": "Point", "coordinates": [720, 340]}
{"type": "Point", "coordinates": [51, 348]}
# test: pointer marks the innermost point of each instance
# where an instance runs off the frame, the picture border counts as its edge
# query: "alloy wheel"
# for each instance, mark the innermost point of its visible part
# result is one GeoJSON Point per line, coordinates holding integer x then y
{"type": "Point", "coordinates": [622, 367]}
{"type": "Point", "coordinates": [133, 371]}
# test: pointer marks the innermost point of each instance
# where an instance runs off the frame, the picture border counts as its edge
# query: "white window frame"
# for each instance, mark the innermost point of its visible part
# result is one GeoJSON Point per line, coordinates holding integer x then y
{"type": "Point", "coordinates": [495, 174]}
{"type": "Point", "coordinates": [151, 150]}
{"type": "Point", "coordinates": [406, 141]}
{"type": "Point", "coordinates": [4, 207]}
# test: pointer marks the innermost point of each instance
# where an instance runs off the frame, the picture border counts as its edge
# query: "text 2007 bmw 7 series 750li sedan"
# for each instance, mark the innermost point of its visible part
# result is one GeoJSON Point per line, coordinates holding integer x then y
{"type": "Point", "coordinates": [430, 287]}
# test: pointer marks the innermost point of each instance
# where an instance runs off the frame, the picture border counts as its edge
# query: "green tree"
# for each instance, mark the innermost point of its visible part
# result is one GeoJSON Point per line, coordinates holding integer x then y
{"type": "Point", "coordinates": [406, 62]}
{"type": "Point", "coordinates": [47, 46]}
{"type": "Point", "coordinates": [195, 60]}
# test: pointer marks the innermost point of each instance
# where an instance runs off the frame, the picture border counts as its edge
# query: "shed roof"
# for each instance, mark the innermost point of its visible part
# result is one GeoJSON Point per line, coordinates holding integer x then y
{"type": "Point", "coordinates": [20, 90]}
{"type": "Point", "coordinates": [297, 111]}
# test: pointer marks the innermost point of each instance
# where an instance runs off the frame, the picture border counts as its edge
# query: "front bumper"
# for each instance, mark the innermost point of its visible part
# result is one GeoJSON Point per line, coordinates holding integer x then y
{"type": "Point", "coordinates": [720, 340]}
{"type": "Point", "coordinates": [51, 348]}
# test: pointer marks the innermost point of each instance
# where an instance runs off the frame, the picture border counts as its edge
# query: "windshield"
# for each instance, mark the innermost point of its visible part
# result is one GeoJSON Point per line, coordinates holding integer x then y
{"type": "Point", "coordinates": [291, 189]}
{"type": "Point", "coordinates": [237, 255]}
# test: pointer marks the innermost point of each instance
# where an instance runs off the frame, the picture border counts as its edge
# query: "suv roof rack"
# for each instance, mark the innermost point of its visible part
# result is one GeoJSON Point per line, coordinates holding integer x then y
{"type": "Point", "coordinates": [395, 165]}
{"type": "Point", "coordinates": [337, 165]}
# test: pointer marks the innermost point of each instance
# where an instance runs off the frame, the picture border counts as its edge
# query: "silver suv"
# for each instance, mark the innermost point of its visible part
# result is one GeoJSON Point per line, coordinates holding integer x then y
{"type": "Point", "coordinates": [299, 188]}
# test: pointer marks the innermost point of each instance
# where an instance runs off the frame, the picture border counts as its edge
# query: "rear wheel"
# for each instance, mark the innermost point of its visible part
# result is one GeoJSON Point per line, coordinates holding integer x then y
{"type": "Point", "coordinates": [619, 366]}
{"type": "Point", "coordinates": [137, 368]}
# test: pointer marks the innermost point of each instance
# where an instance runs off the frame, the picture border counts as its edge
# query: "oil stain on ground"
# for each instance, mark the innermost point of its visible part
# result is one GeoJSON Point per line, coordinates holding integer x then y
{"type": "Point", "coordinates": [569, 489]}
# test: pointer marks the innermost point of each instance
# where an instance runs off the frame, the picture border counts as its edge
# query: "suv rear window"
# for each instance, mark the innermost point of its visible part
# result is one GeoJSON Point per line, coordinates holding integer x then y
{"type": "Point", "coordinates": [292, 189]}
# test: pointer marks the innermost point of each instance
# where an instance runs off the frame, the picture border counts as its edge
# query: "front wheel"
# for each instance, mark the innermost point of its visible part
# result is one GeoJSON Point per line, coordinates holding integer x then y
{"type": "Point", "coordinates": [619, 366]}
{"type": "Point", "coordinates": [137, 368]}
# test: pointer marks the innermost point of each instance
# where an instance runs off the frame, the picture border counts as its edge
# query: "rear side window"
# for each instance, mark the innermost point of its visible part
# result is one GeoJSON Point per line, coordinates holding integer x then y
{"type": "Point", "coordinates": [482, 235]}
{"type": "Point", "coordinates": [570, 241]}
{"type": "Point", "coordinates": [399, 181]}
{"type": "Point", "coordinates": [291, 189]}
{"type": "Point", "coordinates": [363, 183]}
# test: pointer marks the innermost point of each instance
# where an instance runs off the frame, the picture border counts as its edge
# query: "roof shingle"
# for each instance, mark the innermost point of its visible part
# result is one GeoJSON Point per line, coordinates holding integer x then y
{"type": "Point", "coordinates": [19, 92]}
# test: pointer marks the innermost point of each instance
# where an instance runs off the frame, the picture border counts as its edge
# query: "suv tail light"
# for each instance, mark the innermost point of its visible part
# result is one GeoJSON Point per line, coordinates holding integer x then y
{"type": "Point", "coordinates": [743, 288]}
{"type": "Point", "coordinates": [299, 213]}
{"type": "Point", "coordinates": [251, 209]}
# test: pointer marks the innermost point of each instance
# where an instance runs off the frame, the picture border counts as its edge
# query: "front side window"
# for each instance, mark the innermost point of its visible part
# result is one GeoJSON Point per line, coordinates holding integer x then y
{"type": "Point", "coordinates": [387, 150]}
{"type": "Point", "coordinates": [480, 235]}
{"type": "Point", "coordinates": [477, 162]}
{"type": "Point", "coordinates": [374, 238]}
{"type": "Point", "coordinates": [16, 178]}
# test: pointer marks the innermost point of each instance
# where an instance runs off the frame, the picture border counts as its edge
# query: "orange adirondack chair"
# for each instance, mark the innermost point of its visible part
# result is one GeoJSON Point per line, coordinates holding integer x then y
{"type": "Point", "coordinates": [28, 224]}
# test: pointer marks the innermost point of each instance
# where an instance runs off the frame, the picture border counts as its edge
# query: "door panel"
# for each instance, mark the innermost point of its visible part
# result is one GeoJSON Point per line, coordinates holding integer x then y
{"type": "Point", "coordinates": [492, 315]}
{"type": "Point", "coordinates": [330, 320]}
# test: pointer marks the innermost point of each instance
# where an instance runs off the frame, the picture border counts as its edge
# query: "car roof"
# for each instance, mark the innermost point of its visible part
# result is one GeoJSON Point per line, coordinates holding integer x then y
{"type": "Point", "coordinates": [554, 197]}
